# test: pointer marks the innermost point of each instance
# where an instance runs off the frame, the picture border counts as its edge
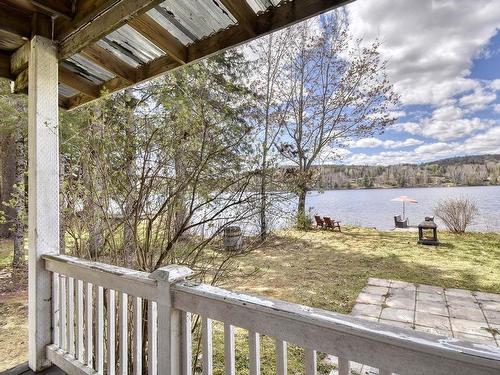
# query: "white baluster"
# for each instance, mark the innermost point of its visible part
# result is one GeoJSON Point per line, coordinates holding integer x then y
{"type": "Point", "coordinates": [79, 320]}
{"type": "Point", "coordinates": [137, 303]}
{"type": "Point", "coordinates": [229, 353]}
{"type": "Point", "coordinates": [55, 309]}
{"type": "Point", "coordinates": [152, 338]}
{"type": "Point", "coordinates": [207, 349]}
{"type": "Point", "coordinates": [89, 325]}
{"type": "Point", "coordinates": [186, 343]}
{"type": "Point", "coordinates": [100, 331]}
{"type": "Point", "coordinates": [254, 352]}
{"type": "Point", "coordinates": [62, 313]}
{"type": "Point", "coordinates": [123, 308]}
{"type": "Point", "coordinates": [70, 299]}
{"type": "Point", "coordinates": [111, 332]}
{"type": "Point", "coordinates": [344, 366]}
{"type": "Point", "coordinates": [310, 362]}
{"type": "Point", "coordinates": [281, 357]}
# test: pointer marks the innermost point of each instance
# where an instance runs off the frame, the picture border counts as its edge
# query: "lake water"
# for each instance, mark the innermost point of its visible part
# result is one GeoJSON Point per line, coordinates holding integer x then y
{"type": "Point", "coordinates": [373, 207]}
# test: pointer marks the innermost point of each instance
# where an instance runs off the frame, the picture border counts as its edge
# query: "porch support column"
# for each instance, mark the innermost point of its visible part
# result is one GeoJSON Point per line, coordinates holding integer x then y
{"type": "Point", "coordinates": [43, 192]}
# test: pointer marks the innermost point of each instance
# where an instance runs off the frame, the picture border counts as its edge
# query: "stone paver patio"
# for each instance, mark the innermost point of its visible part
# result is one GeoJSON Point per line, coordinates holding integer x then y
{"type": "Point", "coordinates": [459, 313]}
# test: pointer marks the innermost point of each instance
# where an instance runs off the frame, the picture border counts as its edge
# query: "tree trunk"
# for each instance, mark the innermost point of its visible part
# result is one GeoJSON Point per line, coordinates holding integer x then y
{"type": "Point", "coordinates": [301, 208]}
{"type": "Point", "coordinates": [129, 230]}
{"type": "Point", "coordinates": [7, 177]}
{"type": "Point", "coordinates": [18, 261]}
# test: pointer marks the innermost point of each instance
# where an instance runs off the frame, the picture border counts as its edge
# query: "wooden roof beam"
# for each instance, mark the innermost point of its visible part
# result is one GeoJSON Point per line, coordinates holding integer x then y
{"type": "Point", "coordinates": [59, 8]}
{"type": "Point", "coordinates": [15, 22]}
{"type": "Point", "coordinates": [19, 59]}
{"type": "Point", "coordinates": [77, 82]}
{"type": "Point", "coordinates": [5, 65]}
{"type": "Point", "coordinates": [243, 13]}
{"type": "Point", "coordinates": [105, 21]}
{"type": "Point", "coordinates": [155, 33]}
{"type": "Point", "coordinates": [110, 62]}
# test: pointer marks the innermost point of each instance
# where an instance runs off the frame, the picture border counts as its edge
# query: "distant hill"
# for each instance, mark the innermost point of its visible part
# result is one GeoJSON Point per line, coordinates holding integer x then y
{"type": "Point", "coordinates": [476, 170]}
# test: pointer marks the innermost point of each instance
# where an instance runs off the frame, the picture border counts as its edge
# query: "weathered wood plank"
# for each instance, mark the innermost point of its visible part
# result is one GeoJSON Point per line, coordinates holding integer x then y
{"type": "Point", "coordinates": [102, 24]}
{"type": "Point", "coordinates": [207, 345]}
{"type": "Point", "coordinates": [56, 323]}
{"type": "Point", "coordinates": [243, 13]}
{"type": "Point", "coordinates": [281, 357]}
{"type": "Point", "coordinates": [19, 59]}
{"type": "Point", "coordinates": [67, 362]}
{"type": "Point", "coordinates": [121, 279]}
{"type": "Point", "coordinates": [58, 8]}
{"type": "Point", "coordinates": [254, 352]}
{"type": "Point", "coordinates": [15, 22]}
{"type": "Point", "coordinates": [73, 80]}
{"type": "Point", "coordinates": [110, 62]}
{"type": "Point", "coordinates": [359, 340]}
{"type": "Point", "coordinates": [43, 193]}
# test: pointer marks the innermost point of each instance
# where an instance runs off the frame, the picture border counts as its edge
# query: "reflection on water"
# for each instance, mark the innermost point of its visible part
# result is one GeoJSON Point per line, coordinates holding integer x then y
{"type": "Point", "coordinates": [373, 207]}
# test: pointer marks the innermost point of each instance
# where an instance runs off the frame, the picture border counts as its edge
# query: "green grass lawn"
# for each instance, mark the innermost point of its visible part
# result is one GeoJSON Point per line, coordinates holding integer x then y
{"type": "Point", "coordinates": [317, 268]}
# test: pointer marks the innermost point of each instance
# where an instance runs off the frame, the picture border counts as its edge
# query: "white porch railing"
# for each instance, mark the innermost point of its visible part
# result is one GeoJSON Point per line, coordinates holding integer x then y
{"type": "Point", "coordinates": [87, 340]}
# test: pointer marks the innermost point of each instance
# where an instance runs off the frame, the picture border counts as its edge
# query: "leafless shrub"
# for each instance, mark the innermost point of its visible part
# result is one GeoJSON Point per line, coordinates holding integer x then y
{"type": "Point", "coordinates": [456, 213]}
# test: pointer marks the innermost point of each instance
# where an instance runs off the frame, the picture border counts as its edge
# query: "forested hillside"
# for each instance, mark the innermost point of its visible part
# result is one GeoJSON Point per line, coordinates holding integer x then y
{"type": "Point", "coordinates": [458, 171]}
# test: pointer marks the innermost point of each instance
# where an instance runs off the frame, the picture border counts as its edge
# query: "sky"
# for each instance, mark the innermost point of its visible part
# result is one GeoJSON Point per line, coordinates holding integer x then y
{"type": "Point", "coordinates": [444, 61]}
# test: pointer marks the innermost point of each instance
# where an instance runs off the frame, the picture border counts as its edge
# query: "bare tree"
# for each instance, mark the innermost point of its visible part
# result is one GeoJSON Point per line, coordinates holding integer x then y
{"type": "Point", "coordinates": [456, 213]}
{"type": "Point", "coordinates": [335, 90]}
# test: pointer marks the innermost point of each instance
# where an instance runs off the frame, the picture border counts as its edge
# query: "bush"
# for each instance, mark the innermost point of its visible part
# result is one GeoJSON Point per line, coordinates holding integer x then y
{"type": "Point", "coordinates": [456, 213]}
{"type": "Point", "coordinates": [304, 221]}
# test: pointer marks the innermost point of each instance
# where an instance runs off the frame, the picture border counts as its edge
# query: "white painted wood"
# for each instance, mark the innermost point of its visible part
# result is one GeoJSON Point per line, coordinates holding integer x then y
{"type": "Point", "coordinates": [70, 312]}
{"type": "Point", "coordinates": [120, 279]}
{"type": "Point", "coordinates": [62, 312]}
{"type": "Point", "coordinates": [384, 372]}
{"type": "Point", "coordinates": [123, 309]}
{"type": "Point", "coordinates": [186, 344]}
{"type": "Point", "coordinates": [89, 325]}
{"type": "Point", "coordinates": [344, 366]}
{"type": "Point", "coordinates": [67, 362]}
{"type": "Point", "coordinates": [55, 310]}
{"type": "Point", "coordinates": [206, 344]}
{"type": "Point", "coordinates": [169, 320]}
{"type": "Point", "coordinates": [281, 357]}
{"type": "Point", "coordinates": [137, 342]}
{"type": "Point", "coordinates": [254, 352]}
{"type": "Point", "coordinates": [229, 353]}
{"type": "Point", "coordinates": [359, 340]}
{"type": "Point", "coordinates": [311, 365]}
{"type": "Point", "coordinates": [43, 193]}
{"type": "Point", "coordinates": [152, 338]}
{"type": "Point", "coordinates": [111, 339]}
{"type": "Point", "coordinates": [99, 342]}
{"type": "Point", "coordinates": [79, 321]}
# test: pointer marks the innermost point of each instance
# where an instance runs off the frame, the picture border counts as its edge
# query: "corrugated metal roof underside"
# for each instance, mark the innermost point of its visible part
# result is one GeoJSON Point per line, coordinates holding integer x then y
{"type": "Point", "coordinates": [188, 21]}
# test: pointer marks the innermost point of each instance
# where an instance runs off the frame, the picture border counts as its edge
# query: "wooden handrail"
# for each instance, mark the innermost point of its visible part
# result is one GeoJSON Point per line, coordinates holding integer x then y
{"type": "Point", "coordinates": [398, 350]}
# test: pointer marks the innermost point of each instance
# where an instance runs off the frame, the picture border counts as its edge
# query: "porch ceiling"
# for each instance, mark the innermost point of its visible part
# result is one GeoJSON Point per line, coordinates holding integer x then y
{"type": "Point", "coordinates": [108, 45]}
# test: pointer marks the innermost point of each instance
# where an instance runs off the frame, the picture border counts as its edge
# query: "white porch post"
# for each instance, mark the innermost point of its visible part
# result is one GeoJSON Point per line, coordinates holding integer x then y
{"type": "Point", "coordinates": [43, 191]}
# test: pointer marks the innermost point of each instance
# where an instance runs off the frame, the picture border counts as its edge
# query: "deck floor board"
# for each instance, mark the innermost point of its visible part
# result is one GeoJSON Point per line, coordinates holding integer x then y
{"type": "Point", "coordinates": [23, 369]}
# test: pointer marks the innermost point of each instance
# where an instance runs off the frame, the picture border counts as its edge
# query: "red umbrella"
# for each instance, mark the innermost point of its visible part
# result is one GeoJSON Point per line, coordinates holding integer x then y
{"type": "Point", "coordinates": [405, 199]}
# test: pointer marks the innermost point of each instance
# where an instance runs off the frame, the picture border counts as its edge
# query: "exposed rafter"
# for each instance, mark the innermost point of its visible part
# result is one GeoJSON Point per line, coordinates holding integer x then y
{"type": "Point", "coordinates": [59, 8]}
{"type": "Point", "coordinates": [110, 62]}
{"type": "Point", "coordinates": [76, 82]}
{"type": "Point", "coordinates": [150, 29]}
{"type": "Point", "coordinates": [105, 22]}
{"type": "Point", "coordinates": [15, 22]}
{"type": "Point", "coordinates": [243, 13]}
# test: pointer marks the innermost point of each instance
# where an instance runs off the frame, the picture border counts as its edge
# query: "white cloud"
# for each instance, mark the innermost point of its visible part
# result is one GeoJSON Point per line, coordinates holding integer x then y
{"type": "Point", "coordinates": [497, 108]}
{"type": "Point", "coordinates": [495, 84]}
{"type": "Point", "coordinates": [487, 142]}
{"type": "Point", "coordinates": [446, 123]}
{"type": "Point", "coordinates": [477, 100]}
{"type": "Point", "coordinates": [430, 44]}
{"type": "Point", "coordinates": [375, 142]}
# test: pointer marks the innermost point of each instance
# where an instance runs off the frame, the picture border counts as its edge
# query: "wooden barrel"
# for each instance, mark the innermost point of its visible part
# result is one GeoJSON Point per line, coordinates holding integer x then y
{"type": "Point", "coordinates": [232, 238]}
